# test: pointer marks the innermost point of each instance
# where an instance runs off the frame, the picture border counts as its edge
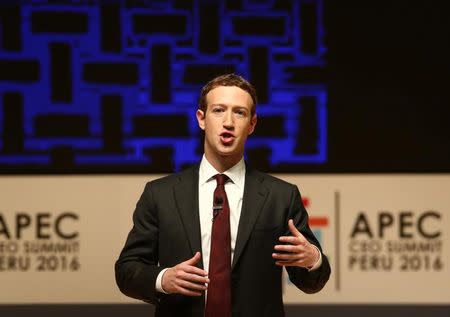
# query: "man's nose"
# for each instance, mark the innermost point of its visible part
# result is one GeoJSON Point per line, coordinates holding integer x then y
{"type": "Point", "coordinates": [228, 119]}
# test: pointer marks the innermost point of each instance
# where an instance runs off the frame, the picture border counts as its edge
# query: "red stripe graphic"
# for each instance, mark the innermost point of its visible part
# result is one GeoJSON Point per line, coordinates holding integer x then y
{"type": "Point", "coordinates": [318, 221]}
{"type": "Point", "coordinates": [306, 202]}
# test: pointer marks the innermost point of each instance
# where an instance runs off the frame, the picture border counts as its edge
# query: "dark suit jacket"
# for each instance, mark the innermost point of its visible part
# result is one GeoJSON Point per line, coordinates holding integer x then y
{"type": "Point", "coordinates": [166, 232]}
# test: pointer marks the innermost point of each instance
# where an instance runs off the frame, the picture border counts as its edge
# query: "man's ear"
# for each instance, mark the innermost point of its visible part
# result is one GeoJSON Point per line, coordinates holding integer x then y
{"type": "Point", "coordinates": [201, 119]}
{"type": "Point", "coordinates": [253, 121]}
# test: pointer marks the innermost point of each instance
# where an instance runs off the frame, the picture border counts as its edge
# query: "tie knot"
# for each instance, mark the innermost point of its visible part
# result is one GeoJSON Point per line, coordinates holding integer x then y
{"type": "Point", "coordinates": [221, 179]}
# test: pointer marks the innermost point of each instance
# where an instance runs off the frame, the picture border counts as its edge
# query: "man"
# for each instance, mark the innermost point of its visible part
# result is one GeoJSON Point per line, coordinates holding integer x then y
{"type": "Point", "coordinates": [212, 240]}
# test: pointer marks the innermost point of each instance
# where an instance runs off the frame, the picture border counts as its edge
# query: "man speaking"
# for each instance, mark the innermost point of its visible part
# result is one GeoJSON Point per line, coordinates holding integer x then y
{"type": "Point", "coordinates": [212, 240]}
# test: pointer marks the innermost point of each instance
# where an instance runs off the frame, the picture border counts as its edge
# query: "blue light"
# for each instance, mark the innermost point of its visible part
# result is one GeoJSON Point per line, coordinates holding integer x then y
{"type": "Point", "coordinates": [165, 84]}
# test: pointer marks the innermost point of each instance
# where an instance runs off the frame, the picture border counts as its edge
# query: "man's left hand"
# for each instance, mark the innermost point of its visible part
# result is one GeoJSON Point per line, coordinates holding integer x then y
{"type": "Point", "coordinates": [296, 250]}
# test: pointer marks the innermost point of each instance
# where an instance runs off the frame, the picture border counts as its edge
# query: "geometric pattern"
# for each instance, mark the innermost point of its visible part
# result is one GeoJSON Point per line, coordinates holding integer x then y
{"type": "Point", "coordinates": [113, 86]}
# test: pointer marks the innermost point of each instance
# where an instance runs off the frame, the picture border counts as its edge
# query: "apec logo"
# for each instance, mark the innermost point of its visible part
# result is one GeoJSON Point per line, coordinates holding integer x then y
{"type": "Point", "coordinates": [39, 242]}
{"type": "Point", "coordinates": [397, 240]}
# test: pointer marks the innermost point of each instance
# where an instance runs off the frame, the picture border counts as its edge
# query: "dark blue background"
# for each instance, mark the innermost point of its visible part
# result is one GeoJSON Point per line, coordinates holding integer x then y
{"type": "Point", "coordinates": [113, 88]}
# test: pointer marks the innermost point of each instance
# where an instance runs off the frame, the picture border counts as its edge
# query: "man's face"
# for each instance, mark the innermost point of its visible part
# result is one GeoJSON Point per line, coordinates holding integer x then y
{"type": "Point", "coordinates": [227, 122]}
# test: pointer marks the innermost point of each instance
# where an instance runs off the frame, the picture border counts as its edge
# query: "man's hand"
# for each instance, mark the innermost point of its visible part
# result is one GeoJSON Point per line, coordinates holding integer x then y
{"type": "Point", "coordinates": [185, 278]}
{"type": "Point", "coordinates": [297, 251]}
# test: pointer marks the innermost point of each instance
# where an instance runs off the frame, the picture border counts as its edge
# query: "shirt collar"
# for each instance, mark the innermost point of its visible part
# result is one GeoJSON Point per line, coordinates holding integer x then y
{"type": "Point", "coordinates": [236, 173]}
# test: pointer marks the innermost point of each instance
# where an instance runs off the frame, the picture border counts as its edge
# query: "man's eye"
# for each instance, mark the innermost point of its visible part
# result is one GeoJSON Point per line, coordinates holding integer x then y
{"type": "Point", "coordinates": [217, 110]}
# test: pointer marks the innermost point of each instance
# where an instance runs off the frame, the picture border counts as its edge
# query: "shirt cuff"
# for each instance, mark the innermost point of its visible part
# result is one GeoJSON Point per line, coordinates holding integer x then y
{"type": "Point", "coordinates": [158, 284]}
{"type": "Point", "coordinates": [319, 261]}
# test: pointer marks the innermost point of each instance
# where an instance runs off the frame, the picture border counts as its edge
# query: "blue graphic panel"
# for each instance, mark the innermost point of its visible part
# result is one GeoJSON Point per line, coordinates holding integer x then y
{"type": "Point", "coordinates": [114, 87]}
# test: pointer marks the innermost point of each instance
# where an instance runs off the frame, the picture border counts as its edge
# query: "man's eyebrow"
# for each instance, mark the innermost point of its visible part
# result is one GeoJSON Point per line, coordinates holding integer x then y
{"type": "Point", "coordinates": [226, 105]}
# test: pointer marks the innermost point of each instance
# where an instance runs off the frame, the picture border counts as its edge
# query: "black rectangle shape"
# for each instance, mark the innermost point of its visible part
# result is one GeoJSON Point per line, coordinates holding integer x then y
{"type": "Point", "coordinates": [175, 24]}
{"type": "Point", "coordinates": [62, 157]}
{"type": "Point", "coordinates": [259, 157]}
{"type": "Point", "coordinates": [281, 57]}
{"type": "Point", "coordinates": [209, 36]}
{"type": "Point", "coordinates": [160, 126]}
{"type": "Point", "coordinates": [233, 5]}
{"type": "Point", "coordinates": [13, 132]}
{"type": "Point", "coordinates": [256, 25]}
{"type": "Point", "coordinates": [272, 126]}
{"type": "Point", "coordinates": [19, 70]}
{"type": "Point", "coordinates": [111, 73]}
{"type": "Point", "coordinates": [110, 28]}
{"type": "Point", "coordinates": [161, 158]}
{"type": "Point", "coordinates": [258, 71]}
{"type": "Point", "coordinates": [112, 123]}
{"type": "Point", "coordinates": [183, 4]}
{"type": "Point", "coordinates": [308, 132]}
{"type": "Point", "coordinates": [11, 32]}
{"type": "Point", "coordinates": [201, 74]}
{"type": "Point", "coordinates": [59, 22]}
{"type": "Point", "coordinates": [308, 27]}
{"type": "Point", "coordinates": [283, 5]}
{"type": "Point", "coordinates": [160, 70]}
{"type": "Point", "coordinates": [59, 125]}
{"type": "Point", "coordinates": [306, 75]}
{"type": "Point", "coordinates": [61, 72]}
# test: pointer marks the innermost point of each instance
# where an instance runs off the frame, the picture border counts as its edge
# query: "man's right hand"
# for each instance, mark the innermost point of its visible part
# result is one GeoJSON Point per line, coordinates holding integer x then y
{"type": "Point", "coordinates": [185, 278]}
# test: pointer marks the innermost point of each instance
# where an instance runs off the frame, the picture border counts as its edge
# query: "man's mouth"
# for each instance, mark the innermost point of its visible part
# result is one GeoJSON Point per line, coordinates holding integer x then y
{"type": "Point", "coordinates": [226, 137]}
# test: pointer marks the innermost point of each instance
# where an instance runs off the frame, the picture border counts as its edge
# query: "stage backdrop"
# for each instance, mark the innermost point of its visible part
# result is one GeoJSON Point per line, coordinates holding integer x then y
{"type": "Point", "coordinates": [387, 237]}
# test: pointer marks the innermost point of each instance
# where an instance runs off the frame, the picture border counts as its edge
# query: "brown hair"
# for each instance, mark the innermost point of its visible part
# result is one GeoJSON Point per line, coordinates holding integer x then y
{"type": "Point", "coordinates": [227, 80]}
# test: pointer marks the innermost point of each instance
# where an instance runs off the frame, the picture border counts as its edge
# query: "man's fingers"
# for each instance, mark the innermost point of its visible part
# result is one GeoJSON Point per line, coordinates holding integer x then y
{"type": "Point", "coordinates": [291, 240]}
{"type": "Point", "coordinates": [296, 250]}
{"type": "Point", "coordinates": [185, 278]}
{"type": "Point", "coordinates": [287, 263]}
{"type": "Point", "coordinates": [290, 262]}
{"type": "Point", "coordinates": [194, 270]}
{"type": "Point", "coordinates": [191, 286]}
{"type": "Point", "coordinates": [189, 265]}
{"type": "Point", "coordinates": [287, 256]}
{"type": "Point", "coordinates": [194, 260]}
{"type": "Point", "coordinates": [187, 292]}
{"type": "Point", "coordinates": [293, 229]}
{"type": "Point", "coordinates": [288, 248]}
{"type": "Point", "coordinates": [192, 277]}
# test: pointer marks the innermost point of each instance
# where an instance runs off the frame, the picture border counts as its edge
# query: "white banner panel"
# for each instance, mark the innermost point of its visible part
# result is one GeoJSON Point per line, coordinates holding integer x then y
{"type": "Point", "coordinates": [103, 206]}
{"type": "Point", "coordinates": [386, 237]}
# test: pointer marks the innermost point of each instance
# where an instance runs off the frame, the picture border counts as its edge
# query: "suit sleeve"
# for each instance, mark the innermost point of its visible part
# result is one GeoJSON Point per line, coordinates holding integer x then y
{"type": "Point", "coordinates": [137, 267]}
{"type": "Point", "coordinates": [308, 281]}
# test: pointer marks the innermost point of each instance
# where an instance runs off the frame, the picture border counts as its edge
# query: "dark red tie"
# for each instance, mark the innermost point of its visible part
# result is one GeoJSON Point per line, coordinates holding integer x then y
{"type": "Point", "coordinates": [218, 302]}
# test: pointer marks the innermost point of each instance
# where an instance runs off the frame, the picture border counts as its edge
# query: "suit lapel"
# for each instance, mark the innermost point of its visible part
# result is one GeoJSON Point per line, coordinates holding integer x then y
{"type": "Point", "coordinates": [255, 194]}
{"type": "Point", "coordinates": [186, 197]}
